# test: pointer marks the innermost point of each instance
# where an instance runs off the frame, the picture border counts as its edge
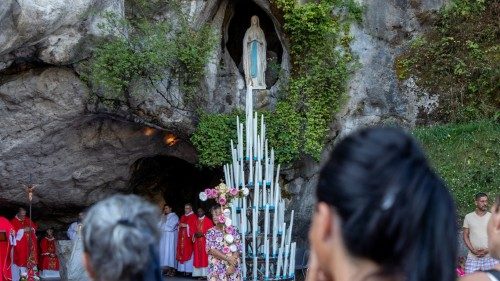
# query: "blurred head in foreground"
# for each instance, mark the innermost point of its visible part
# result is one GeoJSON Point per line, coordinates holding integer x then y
{"type": "Point", "coordinates": [494, 230]}
{"type": "Point", "coordinates": [119, 238]}
{"type": "Point", "coordinates": [382, 213]}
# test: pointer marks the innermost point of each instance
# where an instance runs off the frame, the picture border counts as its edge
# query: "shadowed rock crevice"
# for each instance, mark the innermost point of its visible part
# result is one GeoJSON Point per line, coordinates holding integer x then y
{"type": "Point", "coordinates": [172, 180]}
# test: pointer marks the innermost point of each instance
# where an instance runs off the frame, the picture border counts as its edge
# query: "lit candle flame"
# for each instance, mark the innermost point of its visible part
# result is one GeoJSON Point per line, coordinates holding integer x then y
{"type": "Point", "coordinates": [148, 131]}
{"type": "Point", "coordinates": [170, 139]}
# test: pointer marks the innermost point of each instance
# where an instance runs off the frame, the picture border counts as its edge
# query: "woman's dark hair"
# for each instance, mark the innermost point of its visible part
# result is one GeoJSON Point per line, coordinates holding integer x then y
{"type": "Point", "coordinates": [393, 208]}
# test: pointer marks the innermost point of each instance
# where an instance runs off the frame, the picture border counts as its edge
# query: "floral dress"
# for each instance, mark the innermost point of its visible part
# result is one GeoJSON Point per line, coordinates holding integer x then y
{"type": "Point", "coordinates": [217, 269]}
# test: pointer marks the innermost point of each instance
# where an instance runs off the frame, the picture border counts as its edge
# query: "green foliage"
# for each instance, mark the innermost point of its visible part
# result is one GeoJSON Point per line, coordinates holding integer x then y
{"type": "Point", "coordinates": [143, 49]}
{"type": "Point", "coordinates": [319, 47]}
{"type": "Point", "coordinates": [459, 59]}
{"type": "Point", "coordinates": [467, 156]}
{"type": "Point", "coordinates": [212, 136]}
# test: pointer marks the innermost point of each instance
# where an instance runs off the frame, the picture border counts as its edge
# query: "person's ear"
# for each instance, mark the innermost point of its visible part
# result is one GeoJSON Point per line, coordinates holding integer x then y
{"type": "Point", "coordinates": [88, 266]}
{"type": "Point", "coordinates": [324, 222]}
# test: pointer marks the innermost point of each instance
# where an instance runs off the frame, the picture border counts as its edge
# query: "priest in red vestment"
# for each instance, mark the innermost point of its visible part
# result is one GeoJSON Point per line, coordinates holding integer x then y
{"type": "Point", "coordinates": [187, 225]}
{"type": "Point", "coordinates": [25, 251]}
{"type": "Point", "coordinates": [200, 262]}
{"type": "Point", "coordinates": [49, 263]}
{"type": "Point", "coordinates": [6, 242]}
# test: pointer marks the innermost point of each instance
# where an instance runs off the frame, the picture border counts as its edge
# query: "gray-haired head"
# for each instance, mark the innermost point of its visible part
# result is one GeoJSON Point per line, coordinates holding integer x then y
{"type": "Point", "coordinates": [119, 236]}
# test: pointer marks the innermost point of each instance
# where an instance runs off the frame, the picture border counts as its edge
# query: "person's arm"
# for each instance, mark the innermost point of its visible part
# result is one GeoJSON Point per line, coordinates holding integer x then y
{"type": "Point", "coordinates": [219, 255]}
{"type": "Point", "coordinates": [467, 241]}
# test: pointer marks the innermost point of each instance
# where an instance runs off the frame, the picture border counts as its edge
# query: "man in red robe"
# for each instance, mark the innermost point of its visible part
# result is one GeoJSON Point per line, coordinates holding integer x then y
{"type": "Point", "coordinates": [25, 251]}
{"type": "Point", "coordinates": [6, 242]}
{"type": "Point", "coordinates": [200, 262]}
{"type": "Point", "coordinates": [49, 263]}
{"type": "Point", "coordinates": [187, 225]}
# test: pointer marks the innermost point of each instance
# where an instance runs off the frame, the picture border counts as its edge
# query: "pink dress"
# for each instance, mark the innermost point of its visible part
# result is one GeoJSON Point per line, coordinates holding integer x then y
{"type": "Point", "coordinates": [217, 269]}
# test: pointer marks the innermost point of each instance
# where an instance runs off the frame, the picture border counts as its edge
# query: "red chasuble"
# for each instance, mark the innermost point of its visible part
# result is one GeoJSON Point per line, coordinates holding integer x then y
{"type": "Point", "coordinates": [5, 247]}
{"type": "Point", "coordinates": [21, 253]}
{"type": "Point", "coordinates": [48, 254]}
{"type": "Point", "coordinates": [200, 251]}
{"type": "Point", "coordinates": [185, 240]}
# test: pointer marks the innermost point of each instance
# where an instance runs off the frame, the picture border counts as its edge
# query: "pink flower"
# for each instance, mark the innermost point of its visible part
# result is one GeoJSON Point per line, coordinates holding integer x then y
{"type": "Point", "coordinates": [221, 219]}
{"type": "Point", "coordinates": [233, 191]}
{"type": "Point", "coordinates": [211, 193]}
{"type": "Point", "coordinates": [226, 250]}
{"type": "Point", "coordinates": [230, 229]}
{"type": "Point", "coordinates": [222, 200]}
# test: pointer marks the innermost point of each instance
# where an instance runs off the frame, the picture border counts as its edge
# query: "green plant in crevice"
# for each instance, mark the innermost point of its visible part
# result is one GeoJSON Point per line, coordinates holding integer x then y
{"type": "Point", "coordinates": [459, 59]}
{"type": "Point", "coordinates": [321, 58]}
{"type": "Point", "coordinates": [144, 48]}
{"type": "Point", "coordinates": [211, 138]}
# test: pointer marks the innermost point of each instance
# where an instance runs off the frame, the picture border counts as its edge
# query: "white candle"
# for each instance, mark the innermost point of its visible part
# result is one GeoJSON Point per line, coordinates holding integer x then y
{"type": "Point", "coordinates": [250, 174]}
{"type": "Point", "coordinates": [290, 228]}
{"type": "Point", "coordinates": [257, 189]}
{"type": "Point", "coordinates": [266, 221]}
{"type": "Point", "coordinates": [255, 135]}
{"type": "Point", "coordinates": [233, 212]}
{"type": "Point", "coordinates": [291, 269]}
{"type": "Point", "coordinates": [275, 229]}
{"type": "Point", "coordinates": [266, 253]}
{"type": "Point", "coordinates": [243, 256]}
{"type": "Point", "coordinates": [242, 176]}
{"type": "Point", "coordinates": [285, 263]}
{"type": "Point", "coordinates": [241, 141]}
{"type": "Point", "coordinates": [266, 157]}
{"type": "Point", "coordinates": [254, 230]}
{"type": "Point", "coordinates": [255, 268]}
{"type": "Point", "coordinates": [279, 263]}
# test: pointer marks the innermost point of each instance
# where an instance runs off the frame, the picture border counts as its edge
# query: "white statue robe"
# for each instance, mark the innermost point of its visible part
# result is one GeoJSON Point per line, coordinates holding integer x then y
{"type": "Point", "coordinates": [254, 56]}
{"type": "Point", "coordinates": [168, 241]}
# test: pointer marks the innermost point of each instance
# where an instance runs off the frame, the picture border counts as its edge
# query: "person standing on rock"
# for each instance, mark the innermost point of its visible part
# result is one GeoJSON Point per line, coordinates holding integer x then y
{"type": "Point", "coordinates": [25, 250]}
{"type": "Point", "coordinates": [200, 263]}
{"type": "Point", "coordinates": [168, 240]}
{"type": "Point", "coordinates": [185, 241]}
{"type": "Point", "coordinates": [476, 237]}
{"type": "Point", "coordinates": [7, 241]}
{"type": "Point", "coordinates": [49, 263]}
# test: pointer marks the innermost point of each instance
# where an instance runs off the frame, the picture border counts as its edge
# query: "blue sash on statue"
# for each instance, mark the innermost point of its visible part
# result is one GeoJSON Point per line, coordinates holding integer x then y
{"type": "Point", "coordinates": [254, 57]}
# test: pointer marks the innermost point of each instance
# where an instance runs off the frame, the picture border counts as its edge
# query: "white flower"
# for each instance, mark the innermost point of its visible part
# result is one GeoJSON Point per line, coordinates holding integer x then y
{"type": "Point", "coordinates": [229, 222]}
{"type": "Point", "coordinates": [227, 213]}
{"type": "Point", "coordinates": [229, 238]}
{"type": "Point", "coordinates": [203, 196]}
{"type": "Point", "coordinates": [246, 191]}
{"type": "Point", "coordinates": [233, 248]}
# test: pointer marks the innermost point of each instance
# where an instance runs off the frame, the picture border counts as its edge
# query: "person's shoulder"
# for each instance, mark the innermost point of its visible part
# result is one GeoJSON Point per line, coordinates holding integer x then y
{"type": "Point", "coordinates": [471, 214]}
{"type": "Point", "coordinates": [478, 276]}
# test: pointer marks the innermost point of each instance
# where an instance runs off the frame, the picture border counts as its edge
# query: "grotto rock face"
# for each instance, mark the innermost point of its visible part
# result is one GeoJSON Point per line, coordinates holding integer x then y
{"type": "Point", "coordinates": [73, 156]}
{"type": "Point", "coordinates": [376, 96]}
{"type": "Point", "coordinates": [78, 151]}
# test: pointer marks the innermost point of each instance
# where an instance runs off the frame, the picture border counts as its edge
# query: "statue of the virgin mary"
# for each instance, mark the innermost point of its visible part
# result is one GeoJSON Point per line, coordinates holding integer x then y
{"type": "Point", "coordinates": [254, 55]}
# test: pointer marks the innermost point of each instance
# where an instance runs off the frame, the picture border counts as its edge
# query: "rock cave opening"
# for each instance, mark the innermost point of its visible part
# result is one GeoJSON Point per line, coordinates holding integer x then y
{"type": "Point", "coordinates": [239, 22]}
{"type": "Point", "coordinates": [168, 179]}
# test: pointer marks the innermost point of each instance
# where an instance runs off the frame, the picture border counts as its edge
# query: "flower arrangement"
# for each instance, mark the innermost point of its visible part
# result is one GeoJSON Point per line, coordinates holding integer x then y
{"type": "Point", "coordinates": [223, 194]}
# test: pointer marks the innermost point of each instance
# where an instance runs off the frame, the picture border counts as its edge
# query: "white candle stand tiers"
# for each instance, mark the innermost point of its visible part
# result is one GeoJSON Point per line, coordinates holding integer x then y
{"type": "Point", "coordinates": [268, 252]}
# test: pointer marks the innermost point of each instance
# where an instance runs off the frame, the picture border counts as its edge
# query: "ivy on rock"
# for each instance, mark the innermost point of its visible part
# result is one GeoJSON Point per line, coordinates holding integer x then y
{"type": "Point", "coordinates": [321, 60]}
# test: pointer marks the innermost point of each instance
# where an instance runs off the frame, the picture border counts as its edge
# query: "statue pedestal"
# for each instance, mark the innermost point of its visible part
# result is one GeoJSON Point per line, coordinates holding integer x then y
{"type": "Point", "coordinates": [261, 98]}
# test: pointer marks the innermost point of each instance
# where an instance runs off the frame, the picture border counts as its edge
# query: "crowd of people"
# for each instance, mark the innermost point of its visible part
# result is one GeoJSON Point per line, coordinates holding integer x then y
{"type": "Point", "coordinates": [382, 213]}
